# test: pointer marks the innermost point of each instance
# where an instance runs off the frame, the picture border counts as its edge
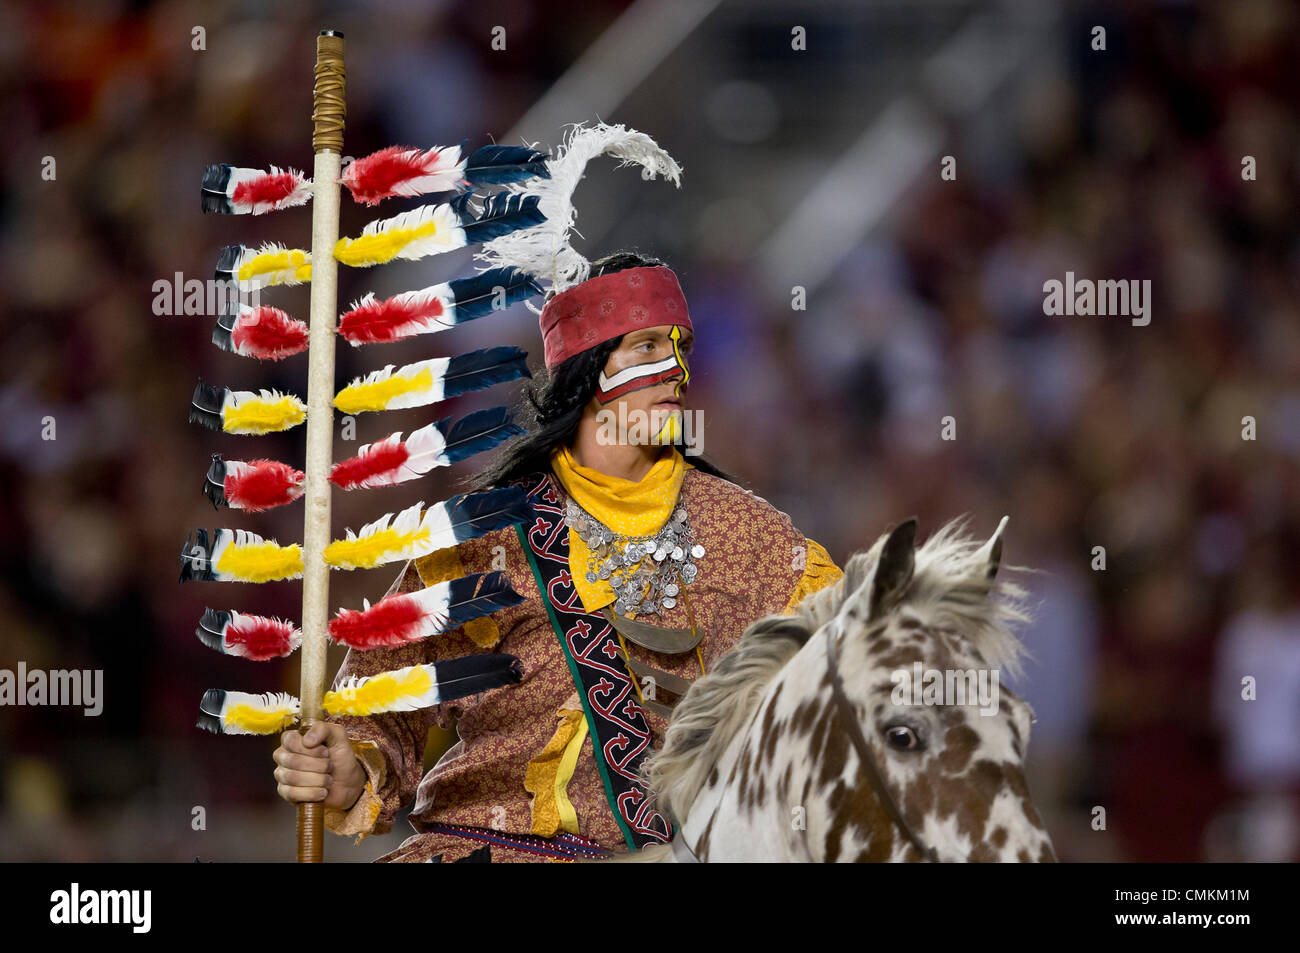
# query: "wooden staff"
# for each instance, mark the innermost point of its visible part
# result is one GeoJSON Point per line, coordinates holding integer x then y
{"type": "Point", "coordinates": [328, 112]}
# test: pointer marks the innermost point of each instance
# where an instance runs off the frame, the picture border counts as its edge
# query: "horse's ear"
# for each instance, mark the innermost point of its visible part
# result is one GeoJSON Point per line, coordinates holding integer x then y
{"type": "Point", "coordinates": [894, 568]}
{"type": "Point", "coordinates": [990, 554]}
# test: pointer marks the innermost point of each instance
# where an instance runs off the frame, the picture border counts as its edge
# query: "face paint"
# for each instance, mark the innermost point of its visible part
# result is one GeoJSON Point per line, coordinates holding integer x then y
{"type": "Point", "coordinates": [671, 431]}
{"type": "Point", "coordinates": [640, 376]}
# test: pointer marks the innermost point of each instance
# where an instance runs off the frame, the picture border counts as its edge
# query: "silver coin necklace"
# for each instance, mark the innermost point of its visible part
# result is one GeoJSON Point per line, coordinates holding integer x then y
{"type": "Point", "coordinates": [633, 563]}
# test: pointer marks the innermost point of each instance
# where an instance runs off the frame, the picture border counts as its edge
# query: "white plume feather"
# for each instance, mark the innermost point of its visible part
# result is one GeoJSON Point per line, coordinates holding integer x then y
{"type": "Point", "coordinates": [544, 250]}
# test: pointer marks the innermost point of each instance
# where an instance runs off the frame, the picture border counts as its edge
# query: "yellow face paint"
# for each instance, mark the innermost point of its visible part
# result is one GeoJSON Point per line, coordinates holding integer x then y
{"type": "Point", "coordinates": [671, 431]}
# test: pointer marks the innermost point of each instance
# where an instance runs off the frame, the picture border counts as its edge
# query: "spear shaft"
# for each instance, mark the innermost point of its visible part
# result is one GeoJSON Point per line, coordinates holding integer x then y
{"type": "Point", "coordinates": [328, 112]}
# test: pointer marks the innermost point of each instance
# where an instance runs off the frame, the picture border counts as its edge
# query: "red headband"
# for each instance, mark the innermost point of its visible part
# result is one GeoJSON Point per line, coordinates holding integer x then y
{"type": "Point", "coordinates": [609, 306]}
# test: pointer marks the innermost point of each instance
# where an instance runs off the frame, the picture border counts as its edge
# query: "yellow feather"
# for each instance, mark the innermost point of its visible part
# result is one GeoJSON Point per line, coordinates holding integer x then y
{"type": "Point", "coordinates": [379, 693]}
{"type": "Point", "coordinates": [259, 721]}
{"type": "Point", "coordinates": [381, 247]}
{"type": "Point", "coordinates": [360, 397]}
{"type": "Point", "coordinates": [264, 416]}
{"type": "Point", "coordinates": [369, 551]}
{"type": "Point", "coordinates": [280, 265]}
{"type": "Point", "coordinates": [261, 562]}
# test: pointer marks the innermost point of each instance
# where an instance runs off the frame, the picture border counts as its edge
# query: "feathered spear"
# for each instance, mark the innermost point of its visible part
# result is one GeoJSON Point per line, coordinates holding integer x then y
{"type": "Point", "coordinates": [267, 333]}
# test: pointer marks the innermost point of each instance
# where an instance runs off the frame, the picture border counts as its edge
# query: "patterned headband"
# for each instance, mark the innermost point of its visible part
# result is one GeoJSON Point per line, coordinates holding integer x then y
{"type": "Point", "coordinates": [608, 306]}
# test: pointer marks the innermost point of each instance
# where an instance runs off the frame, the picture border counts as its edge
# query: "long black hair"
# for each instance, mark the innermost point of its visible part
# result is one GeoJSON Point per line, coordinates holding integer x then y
{"type": "Point", "coordinates": [553, 409]}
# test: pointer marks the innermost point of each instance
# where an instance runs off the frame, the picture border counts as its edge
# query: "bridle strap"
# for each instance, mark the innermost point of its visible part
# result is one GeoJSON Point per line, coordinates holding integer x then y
{"type": "Point", "coordinates": [682, 852]}
{"type": "Point", "coordinates": [863, 750]}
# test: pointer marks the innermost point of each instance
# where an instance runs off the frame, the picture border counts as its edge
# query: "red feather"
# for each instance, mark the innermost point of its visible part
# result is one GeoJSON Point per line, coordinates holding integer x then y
{"type": "Point", "coordinates": [382, 456]}
{"type": "Point", "coordinates": [270, 334]}
{"type": "Point", "coordinates": [259, 638]}
{"type": "Point", "coordinates": [402, 316]}
{"type": "Point", "coordinates": [264, 484]}
{"type": "Point", "coordinates": [267, 189]}
{"type": "Point", "coordinates": [380, 175]}
{"type": "Point", "coordinates": [393, 620]}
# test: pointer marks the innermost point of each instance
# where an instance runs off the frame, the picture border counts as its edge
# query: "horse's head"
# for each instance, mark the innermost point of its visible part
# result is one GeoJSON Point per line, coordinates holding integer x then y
{"type": "Point", "coordinates": [920, 638]}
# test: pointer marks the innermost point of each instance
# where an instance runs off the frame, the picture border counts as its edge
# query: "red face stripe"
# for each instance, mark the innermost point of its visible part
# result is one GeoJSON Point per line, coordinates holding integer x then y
{"type": "Point", "coordinates": [636, 383]}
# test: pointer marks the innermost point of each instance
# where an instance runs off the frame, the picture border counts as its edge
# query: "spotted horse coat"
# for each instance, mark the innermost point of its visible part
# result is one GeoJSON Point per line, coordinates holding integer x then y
{"type": "Point", "coordinates": [758, 763]}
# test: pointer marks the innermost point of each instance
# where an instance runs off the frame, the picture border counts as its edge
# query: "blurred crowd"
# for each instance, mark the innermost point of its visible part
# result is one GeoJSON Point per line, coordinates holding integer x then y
{"type": "Point", "coordinates": [1166, 669]}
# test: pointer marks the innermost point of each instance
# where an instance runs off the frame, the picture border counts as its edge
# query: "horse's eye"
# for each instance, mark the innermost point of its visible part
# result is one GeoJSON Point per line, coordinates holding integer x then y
{"type": "Point", "coordinates": [902, 738]}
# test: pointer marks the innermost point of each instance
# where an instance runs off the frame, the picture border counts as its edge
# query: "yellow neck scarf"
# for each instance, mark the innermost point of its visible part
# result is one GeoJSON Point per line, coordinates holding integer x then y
{"type": "Point", "coordinates": [625, 506]}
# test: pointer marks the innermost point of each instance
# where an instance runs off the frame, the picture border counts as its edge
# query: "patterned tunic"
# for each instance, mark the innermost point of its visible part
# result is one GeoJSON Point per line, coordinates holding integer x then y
{"type": "Point", "coordinates": [756, 564]}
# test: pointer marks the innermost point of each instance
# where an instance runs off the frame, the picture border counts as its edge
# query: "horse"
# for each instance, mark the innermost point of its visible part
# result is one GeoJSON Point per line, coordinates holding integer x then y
{"type": "Point", "coordinates": [810, 741]}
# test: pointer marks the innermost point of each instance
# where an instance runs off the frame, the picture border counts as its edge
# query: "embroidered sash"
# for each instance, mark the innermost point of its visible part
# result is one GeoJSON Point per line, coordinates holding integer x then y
{"type": "Point", "coordinates": [620, 733]}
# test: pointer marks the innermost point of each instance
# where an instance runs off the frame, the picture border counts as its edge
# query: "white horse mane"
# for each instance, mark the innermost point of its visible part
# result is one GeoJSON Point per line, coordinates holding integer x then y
{"type": "Point", "coordinates": [949, 580]}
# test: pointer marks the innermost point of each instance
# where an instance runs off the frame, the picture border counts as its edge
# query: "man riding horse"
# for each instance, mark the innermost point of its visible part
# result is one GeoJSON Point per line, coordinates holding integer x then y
{"type": "Point", "coordinates": [639, 569]}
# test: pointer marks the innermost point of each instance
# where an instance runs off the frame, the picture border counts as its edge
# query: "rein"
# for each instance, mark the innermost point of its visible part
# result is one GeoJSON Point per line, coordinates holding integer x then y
{"type": "Point", "coordinates": [863, 749]}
